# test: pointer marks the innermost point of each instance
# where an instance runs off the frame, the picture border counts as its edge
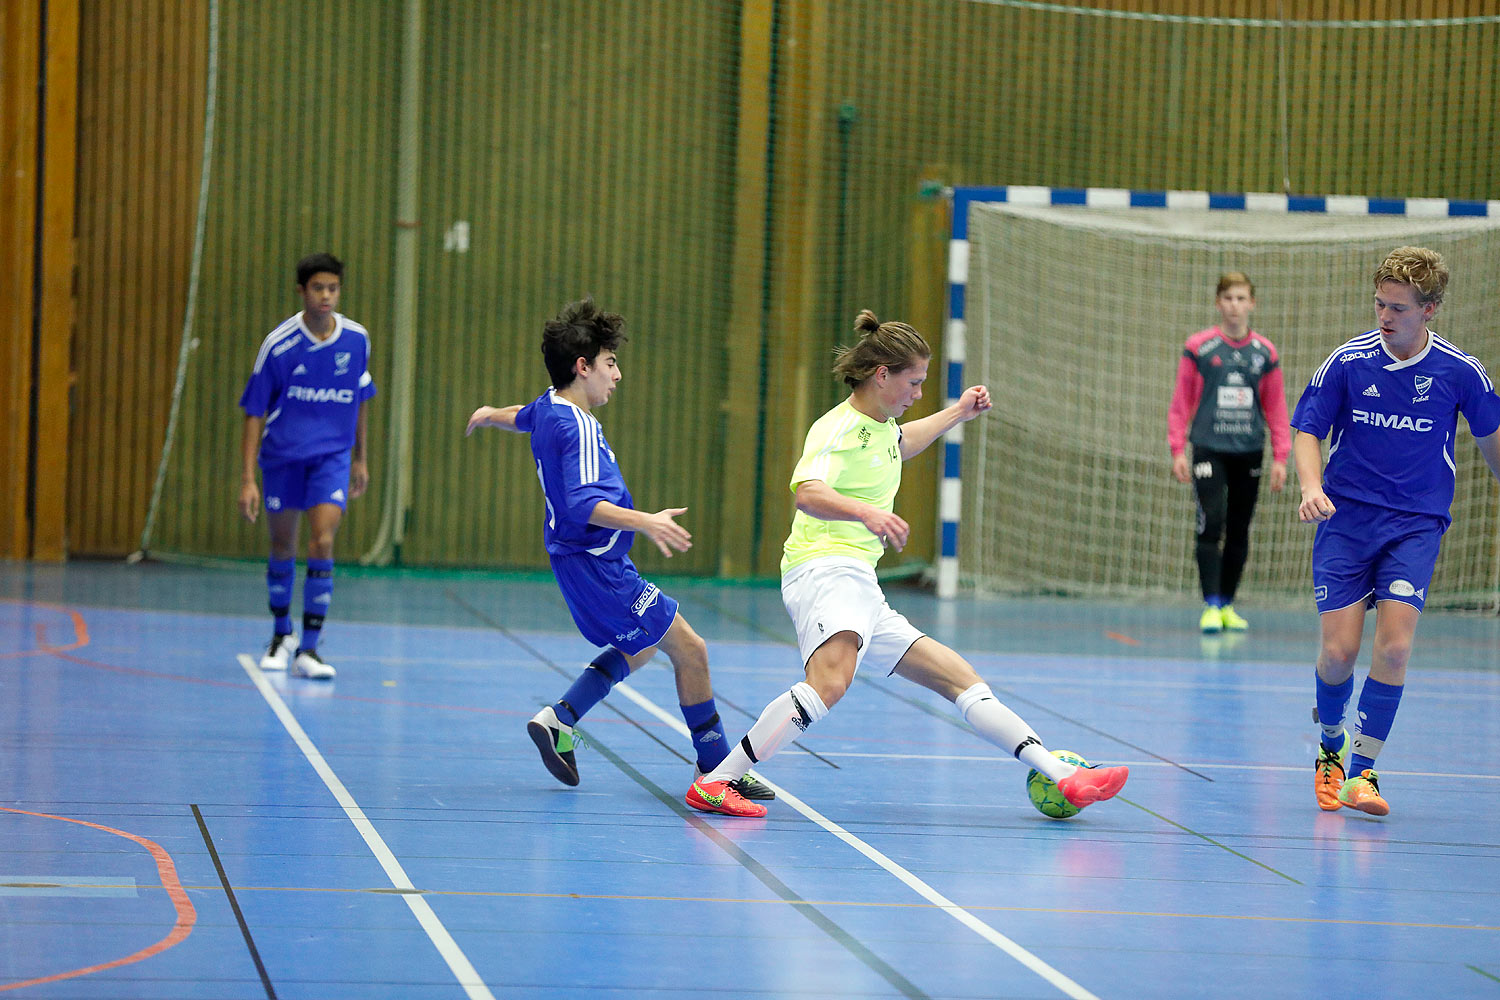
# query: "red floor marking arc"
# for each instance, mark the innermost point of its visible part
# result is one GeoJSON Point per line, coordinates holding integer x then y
{"type": "Point", "coordinates": [1117, 637]}
{"type": "Point", "coordinates": [186, 915]}
{"type": "Point", "coordinates": [80, 632]}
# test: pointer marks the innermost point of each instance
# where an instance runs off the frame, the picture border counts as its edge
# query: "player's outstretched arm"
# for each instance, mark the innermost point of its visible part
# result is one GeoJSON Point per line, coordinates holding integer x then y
{"type": "Point", "coordinates": [1315, 504]}
{"type": "Point", "coordinates": [816, 498]}
{"type": "Point", "coordinates": [503, 417]}
{"type": "Point", "coordinates": [660, 527]}
{"type": "Point", "coordinates": [249, 451]}
{"type": "Point", "coordinates": [916, 435]}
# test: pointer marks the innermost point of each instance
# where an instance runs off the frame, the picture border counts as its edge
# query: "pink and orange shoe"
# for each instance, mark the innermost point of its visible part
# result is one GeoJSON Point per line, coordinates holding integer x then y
{"type": "Point", "coordinates": [1088, 785]}
{"type": "Point", "coordinates": [719, 797]}
{"type": "Point", "coordinates": [1328, 774]}
{"type": "Point", "coordinates": [1362, 792]}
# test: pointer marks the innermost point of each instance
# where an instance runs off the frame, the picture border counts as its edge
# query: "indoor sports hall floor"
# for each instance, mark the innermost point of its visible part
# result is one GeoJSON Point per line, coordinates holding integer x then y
{"type": "Point", "coordinates": [175, 824]}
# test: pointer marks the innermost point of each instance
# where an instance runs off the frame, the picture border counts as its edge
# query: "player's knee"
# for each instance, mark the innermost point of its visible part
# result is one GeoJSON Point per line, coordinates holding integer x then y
{"type": "Point", "coordinates": [320, 545]}
{"type": "Point", "coordinates": [1392, 653]}
{"type": "Point", "coordinates": [1336, 659]}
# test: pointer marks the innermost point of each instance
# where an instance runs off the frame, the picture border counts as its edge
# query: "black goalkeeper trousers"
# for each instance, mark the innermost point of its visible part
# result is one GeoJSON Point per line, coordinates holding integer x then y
{"type": "Point", "coordinates": [1227, 485]}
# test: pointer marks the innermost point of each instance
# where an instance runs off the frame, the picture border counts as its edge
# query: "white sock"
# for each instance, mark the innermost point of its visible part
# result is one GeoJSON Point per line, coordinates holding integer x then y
{"type": "Point", "coordinates": [1008, 731]}
{"type": "Point", "coordinates": [780, 723]}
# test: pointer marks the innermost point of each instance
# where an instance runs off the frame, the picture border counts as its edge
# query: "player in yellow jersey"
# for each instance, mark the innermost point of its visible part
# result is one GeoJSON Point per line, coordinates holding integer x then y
{"type": "Point", "coordinates": [846, 484]}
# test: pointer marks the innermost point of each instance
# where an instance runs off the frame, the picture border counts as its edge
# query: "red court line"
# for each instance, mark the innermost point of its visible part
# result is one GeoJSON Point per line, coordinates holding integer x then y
{"type": "Point", "coordinates": [186, 915]}
{"type": "Point", "coordinates": [80, 632]}
{"type": "Point", "coordinates": [1117, 637]}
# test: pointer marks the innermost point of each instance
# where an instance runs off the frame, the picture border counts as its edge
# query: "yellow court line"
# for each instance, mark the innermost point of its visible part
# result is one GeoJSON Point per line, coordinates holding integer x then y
{"type": "Point", "coordinates": [625, 898]}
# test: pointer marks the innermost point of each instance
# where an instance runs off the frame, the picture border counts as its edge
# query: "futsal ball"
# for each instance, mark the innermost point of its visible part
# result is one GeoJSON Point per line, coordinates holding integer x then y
{"type": "Point", "coordinates": [1044, 793]}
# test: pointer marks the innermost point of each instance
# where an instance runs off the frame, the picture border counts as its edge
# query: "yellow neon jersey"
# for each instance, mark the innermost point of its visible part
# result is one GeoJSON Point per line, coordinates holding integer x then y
{"type": "Point", "coordinates": [859, 458]}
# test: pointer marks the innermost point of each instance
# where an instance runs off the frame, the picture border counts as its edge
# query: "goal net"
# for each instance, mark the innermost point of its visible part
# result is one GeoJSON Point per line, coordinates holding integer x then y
{"type": "Point", "coordinates": [1076, 319]}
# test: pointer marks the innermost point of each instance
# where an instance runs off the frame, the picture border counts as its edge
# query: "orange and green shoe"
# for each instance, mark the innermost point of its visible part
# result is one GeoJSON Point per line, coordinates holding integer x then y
{"type": "Point", "coordinates": [1328, 774]}
{"type": "Point", "coordinates": [1362, 792]}
{"type": "Point", "coordinates": [719, 797]}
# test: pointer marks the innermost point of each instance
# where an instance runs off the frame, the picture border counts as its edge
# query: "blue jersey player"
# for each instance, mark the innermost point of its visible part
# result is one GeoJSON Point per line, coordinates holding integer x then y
{"type": "Point", "coordinates": [305, 427]}
{"type": "Point", "coordinates": [589, 525]}
{"type": "Point", "coordinates": [1388, 401]}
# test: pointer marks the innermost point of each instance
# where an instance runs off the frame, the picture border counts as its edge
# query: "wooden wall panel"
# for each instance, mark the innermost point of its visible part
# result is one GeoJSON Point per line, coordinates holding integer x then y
{"type": "Point", "coordinates": [141, 76]}
{"type": "Point", "coordinates": [20, 30]}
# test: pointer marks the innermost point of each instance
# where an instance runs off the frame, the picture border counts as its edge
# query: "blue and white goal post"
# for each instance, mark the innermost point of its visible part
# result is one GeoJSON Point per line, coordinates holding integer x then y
{"type": "Point", "coordinates": [956, 329]}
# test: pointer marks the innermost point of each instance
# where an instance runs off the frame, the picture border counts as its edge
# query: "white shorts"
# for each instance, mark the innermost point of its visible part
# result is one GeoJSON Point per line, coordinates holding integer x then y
{"type": "Point", "coordinates": [835, 594]}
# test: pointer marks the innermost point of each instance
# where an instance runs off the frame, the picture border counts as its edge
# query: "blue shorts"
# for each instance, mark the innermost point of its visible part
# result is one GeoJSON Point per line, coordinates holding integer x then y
{"type": "Point", "coordinates": [1369, 553]}
{"type": "Point", "coordinates": [303, 484]}
{"type": "Point", "coordinates": [611, 604]}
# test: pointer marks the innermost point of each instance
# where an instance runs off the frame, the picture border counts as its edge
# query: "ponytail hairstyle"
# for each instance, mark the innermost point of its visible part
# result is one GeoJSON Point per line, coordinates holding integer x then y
{"type": "Point", "coordinates": [895, 345]}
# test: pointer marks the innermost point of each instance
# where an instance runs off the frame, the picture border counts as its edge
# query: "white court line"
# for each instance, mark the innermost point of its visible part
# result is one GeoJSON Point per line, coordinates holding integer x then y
{"type": "Point", "coordinates": [1191, 765]}
{"type": "Point", "coordinates": [963, 916]}
{"type": "Point", "coordinates": [468, 978]}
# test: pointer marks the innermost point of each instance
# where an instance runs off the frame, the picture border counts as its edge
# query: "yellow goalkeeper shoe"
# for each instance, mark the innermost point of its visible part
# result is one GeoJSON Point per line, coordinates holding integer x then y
{"type": "Point", "coordinates": [1211, 621]}
{"type": "Point", "coordinates": [1232, 620]}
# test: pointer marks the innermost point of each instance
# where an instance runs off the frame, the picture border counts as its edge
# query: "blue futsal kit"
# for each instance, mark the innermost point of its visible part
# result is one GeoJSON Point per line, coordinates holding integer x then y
{"type": "Point", "coordinates": [610, 602]}
{"type": "Point", "coordinates": [309, 392]}
{"type": "Point", "coordinates": [1390, 426]}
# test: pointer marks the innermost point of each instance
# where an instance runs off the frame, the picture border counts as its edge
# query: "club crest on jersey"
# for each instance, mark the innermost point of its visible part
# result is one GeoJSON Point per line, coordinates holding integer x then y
{"type": "Point", "coordinates": [1423, 384]}
{"type": "Point", "coordinates": [341, 362]}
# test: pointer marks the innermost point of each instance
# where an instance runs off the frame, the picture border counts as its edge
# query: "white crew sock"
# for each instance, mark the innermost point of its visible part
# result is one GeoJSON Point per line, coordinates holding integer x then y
{"type": "Point", "coordinates": [1008, 731]}
{"type": "Point", "coordinates": [777, 726]}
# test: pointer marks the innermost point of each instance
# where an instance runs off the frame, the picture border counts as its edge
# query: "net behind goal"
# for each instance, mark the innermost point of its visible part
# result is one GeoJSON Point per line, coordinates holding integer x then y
{"type": "Point", "coordinates": [1076, 318]}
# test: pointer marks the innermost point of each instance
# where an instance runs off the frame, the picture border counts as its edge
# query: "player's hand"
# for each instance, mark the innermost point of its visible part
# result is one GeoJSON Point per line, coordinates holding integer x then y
{"type": "Point", "coordinates": [359, 478]}
{"type": "Point", "coordinates": [889, 528]}
{"type": "Point", "coordinates": [249, 501]}
{"type": "Point", "coordinates": [1183, 474]}
{"type": "Point", "coordinates": [665, 532]}
{"type": "Point", "coordinates": [1278, 476]}
{"type": "Point", "coordinates": [974, 401]}
{"type": "Point", "coordinates": [1315, 506]}
{"type": "Point", "coordinates": [480, 418]}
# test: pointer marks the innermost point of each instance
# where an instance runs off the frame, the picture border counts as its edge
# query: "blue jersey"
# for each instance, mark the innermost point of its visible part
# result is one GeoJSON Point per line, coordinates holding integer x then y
{"type": "Point", "coordinates": [577, 470]}
{"type": "Point", "coordinates": [1391, 424]}
{"type": "Point", "coordinates": [309, 390]}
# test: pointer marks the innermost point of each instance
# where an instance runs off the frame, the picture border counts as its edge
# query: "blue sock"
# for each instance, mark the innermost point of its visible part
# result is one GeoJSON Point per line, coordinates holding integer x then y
{"type": "Point", "coordinates": [1377, 710]}
{"type": "Point", "coordinates": [317, 594]}
{"type": "Point", "coordinates": [1214, 602]}
{"type": "Point", "coordinates": [280, 575]}
{"type": "Point", "coordinates": [607, 669]}
{"type": "Point", "coordinates": [708, 734]}
{"type": "Point", "coordinates": [1333, 699]}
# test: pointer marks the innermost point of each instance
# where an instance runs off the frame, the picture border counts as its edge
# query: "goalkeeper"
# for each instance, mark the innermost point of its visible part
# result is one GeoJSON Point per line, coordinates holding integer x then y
{"type": "Point", "coordinates": [1228, 392]}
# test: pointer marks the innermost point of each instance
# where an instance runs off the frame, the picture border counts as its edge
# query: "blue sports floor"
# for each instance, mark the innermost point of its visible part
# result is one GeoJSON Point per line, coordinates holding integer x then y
{"type": "Point", "coordinates": [175, 824]}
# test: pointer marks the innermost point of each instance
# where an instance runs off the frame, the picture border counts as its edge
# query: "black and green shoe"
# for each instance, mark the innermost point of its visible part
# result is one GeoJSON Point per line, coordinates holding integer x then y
{"type": "Point", "coordinates": [554, 741]}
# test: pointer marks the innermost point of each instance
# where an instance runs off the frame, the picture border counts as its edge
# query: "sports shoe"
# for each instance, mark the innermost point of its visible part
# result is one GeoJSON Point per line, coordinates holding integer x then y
{"type": "Point", "coordinates": [554, 741]}
{"type": "Point", "coordinates": [1230, 619]}
{"type": "Point", "coordinates": [720, 797]}
{"type": "Point", "coordinates": [1088, 785]}
{"type": "Point", "coordinates": [749, 786]}
{"type": "Point", "coordinates": [309, 664]}
{"type": "Point", "coordinates": [1212, 620]}
{"type": "Point", "coordinates": [1328, 774]}
{"type": "Point", "coordinates": [1362, 792]}
{"type": "Point", "coordinates": [279, 652]}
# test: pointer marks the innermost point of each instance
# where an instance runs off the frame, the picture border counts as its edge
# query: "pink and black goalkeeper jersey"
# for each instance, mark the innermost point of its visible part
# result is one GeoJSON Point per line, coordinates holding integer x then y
{"type": "Point", "coordinates": [1228, 393]}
